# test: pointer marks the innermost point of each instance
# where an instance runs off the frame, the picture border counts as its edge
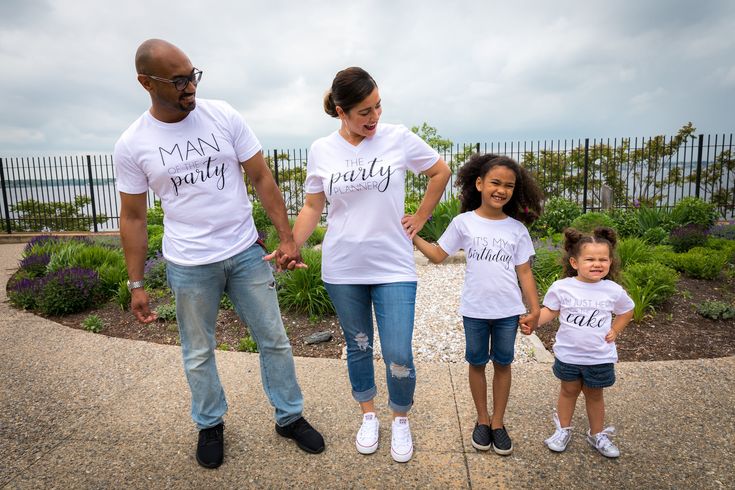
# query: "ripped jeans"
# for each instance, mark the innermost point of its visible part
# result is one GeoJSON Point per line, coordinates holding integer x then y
{"type": "Point", "coordinates": [394, 311]}
{"type": "Point", "coordinates": [248, 281]}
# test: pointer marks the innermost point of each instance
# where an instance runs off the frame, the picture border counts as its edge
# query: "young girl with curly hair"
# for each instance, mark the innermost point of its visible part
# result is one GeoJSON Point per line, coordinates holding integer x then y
{"type": "Point", "coordinates": [498, 197]}
{"type": "Point", "coordinates": [592, 309]}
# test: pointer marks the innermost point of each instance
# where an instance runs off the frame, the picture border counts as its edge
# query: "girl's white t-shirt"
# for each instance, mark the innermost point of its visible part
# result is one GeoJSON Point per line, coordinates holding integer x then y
{"type": "Point", "coordinates": [585, 317]}
{"type": "Point", "coordinates": [493, 248]}
{"type": "Point", "coordinates": [194, 167]}
{"type": "Point", "coordinates": [365, 188]}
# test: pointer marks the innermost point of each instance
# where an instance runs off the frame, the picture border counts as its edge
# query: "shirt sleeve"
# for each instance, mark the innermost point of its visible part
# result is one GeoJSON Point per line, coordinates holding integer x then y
{"type": "Point", "coordinates": [525, 250]}
{"type": "Point", "coordinates": [452, 239]}
{"type": "Point", "coordinates": [129, 177]}
{"type": "Point", "coordinates": [551, 299]}
{"type": "Point", "coordinates": [244, 141]}
{"type": "Point", "coordinates": [624, 303]}
{"type": "Point", "coordinates": [419, 155]}
{"type": "Point", "coordinates": [313, 184]}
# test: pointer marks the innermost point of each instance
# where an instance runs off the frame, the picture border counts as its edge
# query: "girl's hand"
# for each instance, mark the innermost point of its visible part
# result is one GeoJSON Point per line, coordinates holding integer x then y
{"type": "Point", "coordinates": [412, 224]}
{"type": "Point", "coordinates": [611, 336]}
{"type": "Point", "coordinates": [529, 322]}
{"type": "Point", "coordinates": [526, 329]}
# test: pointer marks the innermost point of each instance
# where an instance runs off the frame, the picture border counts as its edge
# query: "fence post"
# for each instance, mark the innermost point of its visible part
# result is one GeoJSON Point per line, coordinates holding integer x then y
{"type": "Point", "coordinates": [477, 148]}
{"type": "Point", "coordinates": [91, 192]}
{"type": "Point", "coordinates": [6, 208]}
{"type": "Point", "coordinates": [699, 165]}
{"type": "Point", "coordinates": [275, 165]}
{"type": "Point", "coordinates": [586, 169]}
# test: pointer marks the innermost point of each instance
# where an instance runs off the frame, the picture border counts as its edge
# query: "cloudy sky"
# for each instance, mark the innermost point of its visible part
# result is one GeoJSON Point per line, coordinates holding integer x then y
{"type": "Point", "coordinates": [482, 71]}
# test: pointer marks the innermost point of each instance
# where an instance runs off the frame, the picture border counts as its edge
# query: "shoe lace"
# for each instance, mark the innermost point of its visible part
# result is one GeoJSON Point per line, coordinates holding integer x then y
{"type": "Point", "coordinates": [560, 432]}
{"type": "Point", "coordinates": [301, 426]}
{"type": "Point", "coordinates": [367, 428]}
{"type": "Point", "coordinates": [602, 439]}
{"type": "Point", "coordinates": [213, 434]}
{"type": "Point", "coordinates": [401, 433]}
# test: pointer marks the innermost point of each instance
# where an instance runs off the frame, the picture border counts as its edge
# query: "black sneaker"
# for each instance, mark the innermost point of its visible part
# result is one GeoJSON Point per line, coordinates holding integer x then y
{"type": "Point", "coordinates": [482, 437]}
{"type": "Point", "coordinates": [501, 442]}
{"type": "Point", "coordinates": [211, 446]}
{"type": "Point", "coordinates": [304, 434]}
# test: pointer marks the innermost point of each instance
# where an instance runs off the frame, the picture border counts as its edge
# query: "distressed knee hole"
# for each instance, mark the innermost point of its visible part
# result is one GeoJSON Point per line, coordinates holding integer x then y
{"type": "Point", "coordinates": [399, 371]}
{"type": "Point", "coordinates": [362, 341]}
{"type": "Point", "coordinates": [272, 285]}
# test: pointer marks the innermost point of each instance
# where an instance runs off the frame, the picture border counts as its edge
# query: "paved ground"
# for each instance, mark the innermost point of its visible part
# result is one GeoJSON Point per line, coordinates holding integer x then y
{"type": "Point", "coordinates": [80, 410]}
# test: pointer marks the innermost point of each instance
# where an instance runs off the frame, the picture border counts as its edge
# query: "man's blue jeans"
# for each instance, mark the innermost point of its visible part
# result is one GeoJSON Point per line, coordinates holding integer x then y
{"type": "Point", "coordinates": [248, 281]}
{"type": "Point", "coordinates": [394, 311]}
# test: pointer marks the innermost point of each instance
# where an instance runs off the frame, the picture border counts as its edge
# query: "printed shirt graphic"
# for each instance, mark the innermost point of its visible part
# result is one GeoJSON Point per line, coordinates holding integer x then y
{"type": "Point", "coordinates": [494, 248]}
{"type": "Point", "coordinates": [585, 317]}
{"type": "Point", "coordinates": [193, 166]}
{"type": "Point", "coordinates": [364, 186]}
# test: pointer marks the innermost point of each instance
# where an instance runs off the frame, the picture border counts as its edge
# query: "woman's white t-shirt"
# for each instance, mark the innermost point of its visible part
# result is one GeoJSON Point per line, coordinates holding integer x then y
{"type": "Point", "coordinates": [365, 188]}
{"type": "Point", "coordinates": [494, 248]}
{"type": "Point", "coordinates": [585, 317]}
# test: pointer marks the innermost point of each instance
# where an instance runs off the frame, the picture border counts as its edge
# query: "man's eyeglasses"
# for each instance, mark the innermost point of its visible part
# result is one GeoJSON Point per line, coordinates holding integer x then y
{"type": "Point", "coordinates": [180, 83]}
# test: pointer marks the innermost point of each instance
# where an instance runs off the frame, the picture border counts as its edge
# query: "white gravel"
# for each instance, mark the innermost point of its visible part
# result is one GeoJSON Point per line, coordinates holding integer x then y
{"type": "Point", "coordinates": [438, 334]}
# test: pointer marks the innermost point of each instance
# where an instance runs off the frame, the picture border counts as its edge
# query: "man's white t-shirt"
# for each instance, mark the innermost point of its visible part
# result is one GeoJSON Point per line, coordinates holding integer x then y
{"type": "Point", "coordinates": [494, 248]}
{"type": "Point", "coordinates": [365, 188]}
{"type": "Point", "coordinates": [193, 166]}
{"type": "Point", "coordinates": [585, 317]}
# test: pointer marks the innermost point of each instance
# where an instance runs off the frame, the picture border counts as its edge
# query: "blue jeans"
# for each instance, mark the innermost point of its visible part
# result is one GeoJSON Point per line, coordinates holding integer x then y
{"type": "Point", "coordinates": [487, 340]}
{"type": "Point", "coordinates": [394, 311]}
{"type": "Point", "coordinates": [248, 281]}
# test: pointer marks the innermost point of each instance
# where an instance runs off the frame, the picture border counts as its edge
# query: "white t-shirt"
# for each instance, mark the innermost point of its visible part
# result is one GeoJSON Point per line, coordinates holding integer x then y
{"type": "Point", "coordinates": [365, 187]}
{"type": "Point", "coordinates": [494, 248]}
{"type": "Point", "coordinates": [585, 318]}
{"type": "Point", "coordinates": [193, 166]}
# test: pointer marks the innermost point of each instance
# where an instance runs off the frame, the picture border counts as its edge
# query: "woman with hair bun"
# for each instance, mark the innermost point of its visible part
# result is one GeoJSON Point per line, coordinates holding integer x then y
{"type": "Point", "coordinates": [367, 254]}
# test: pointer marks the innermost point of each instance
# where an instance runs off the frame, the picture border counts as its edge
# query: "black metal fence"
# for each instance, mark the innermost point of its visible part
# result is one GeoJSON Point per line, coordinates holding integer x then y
{"type": "Point", "coordinates": [78, 192]}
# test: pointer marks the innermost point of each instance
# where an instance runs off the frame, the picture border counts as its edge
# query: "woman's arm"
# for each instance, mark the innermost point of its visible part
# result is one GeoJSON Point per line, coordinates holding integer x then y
{"type": "Point", "coordinates": [434, 253]}
{"type": "Point", "coordinates": [438, 174]}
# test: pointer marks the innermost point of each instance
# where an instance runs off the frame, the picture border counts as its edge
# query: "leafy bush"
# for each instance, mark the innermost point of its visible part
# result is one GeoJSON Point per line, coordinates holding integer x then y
{"type": "Point", "coordinates": [155, 240]}
{"type": "Point", "coordinates": [626, 222]}
{"type": "Point", "coordinates": [271, 239]}
{"type": "Point", "coordinates": [726, 231]}
{"type": "Point", "coordinates": [123, 296]}
{"type": "Point", "coordinates": [226, 303]}
{"type": "Point", "coordinates": [167, 312]}
{"type": "Point", "coordinates": [93, 323]}
{"type": "Point", "coordinates": [223, 346]}
{"type": "Point", "coordinates": [633, 251]}
{"type": "Point", "coordinates": [260, 217]}
{"type": "Point", "coordinates": [35, 265]}
{"type": "Point", "coordinates": [727, 246]}
{"type": "Point", "coordinates": [692, 210]}
{"type": "Point", "coordinates": [155, 214]}
{"type": "Point", "coordinates": [655, 236]}
{"type": "Point", "coordinates": [644, 298]}
{"type": "Point", "coordinates": [546, 267]}
{"type": "Point", "coordinates": [589, 221]}
{"type": "Point", "coordinates": [317, 236]}
{"type": "Point", "coordinates": [108, 262]}
{"type": "Point", "coordinates": [154, 272]}
{"type": "Point", "coordinates": [639, 276]}
{"type": "Point", "coordinates": [23, 290]}
{"type": "Point", "coordinates": [247, 344]}
{"type": "Point", "coordinates": [688, 236]}
{"type": "Point", "coordinates": [716, 310]}
{"type": "Point", "coordinates": [69, 290]}
{"type": "Point", "coordinates": [701, 263]}
{"type": "Point", "coordinates": [443, 214]}
{"type": "Point", "coordinates": [58, 216]}
{"type": "Point", "coordinates": [649, 217]}
{"type": "Point", "coordinates": [303, 289]}
{"type": "Point", "coordinates": [558, 214]}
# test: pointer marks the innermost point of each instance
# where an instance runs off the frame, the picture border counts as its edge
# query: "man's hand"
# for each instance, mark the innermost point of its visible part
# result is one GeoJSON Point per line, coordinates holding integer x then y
{"type": "Point", "coordinates": [141, 307]}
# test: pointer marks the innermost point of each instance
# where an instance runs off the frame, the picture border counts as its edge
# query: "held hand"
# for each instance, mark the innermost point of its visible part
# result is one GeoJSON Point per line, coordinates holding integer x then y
{"type": "Point", "coordinates": [412, 224]}
{"type": "Point", "coordinates": [287, 257]}
{"type": "Point", "coordinates": [529, 322]}
{"type": "Point", "coordinates": [611, 336]}
{"type": "Point", "coordinates": [526, 329]}
{"type": "Point", "coordinates": [141, 307]}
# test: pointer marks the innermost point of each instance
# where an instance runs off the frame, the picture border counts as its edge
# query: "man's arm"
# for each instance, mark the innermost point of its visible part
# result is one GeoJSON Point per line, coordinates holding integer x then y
{"type": "Point", "coordinates": [134, 239]}
{"type": "Point", "coordinates": [272, 200]}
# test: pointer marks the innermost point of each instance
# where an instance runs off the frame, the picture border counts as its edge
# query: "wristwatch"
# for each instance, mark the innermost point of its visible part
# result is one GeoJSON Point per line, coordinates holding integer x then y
{"type": "Point", "coordinates": [134, 284]}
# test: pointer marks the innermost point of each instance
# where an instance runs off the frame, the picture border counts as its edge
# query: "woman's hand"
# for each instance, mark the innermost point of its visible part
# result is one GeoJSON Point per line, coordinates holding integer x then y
{"type": "Point", "coordinates": [412, 224]}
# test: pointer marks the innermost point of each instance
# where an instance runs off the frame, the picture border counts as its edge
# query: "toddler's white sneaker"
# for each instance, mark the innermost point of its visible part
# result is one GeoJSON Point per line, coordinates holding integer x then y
{"type": "Point", "coordinates": [601, 441]}
{"type": "Point", "coordinates": [560, 438]}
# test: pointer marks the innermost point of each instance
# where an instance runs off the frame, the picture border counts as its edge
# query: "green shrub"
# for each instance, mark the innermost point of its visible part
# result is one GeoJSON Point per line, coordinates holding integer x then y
{"type": "Point", "coordinates": [653, 218]}
{"type": "Point", "coordinates": [271, 240]}
{"type": "Point", "coordinates": [727, 246]}
{"type": "Point", "coordinates": [35, 265]}
{"type": "Point", "coordinates": [654, 273]}
{"type": "Point", "coordinates": [303, 289]}
{"type": "Point", "coordinates": [224, 346]}
{"type": "Point", "coordinates": [154, 215]}
{"type": "Point", "coordinates": [633, 251]}
{"type": "Point", "coordinates": [656, 235]}
{"type": "Point", "coordinates": [589, 221]}
{"type": "Point", "coordinates": [155, 240]}
{"type": "Point", "coordinates": [687, 236]}
{"type": "Point", "coordinates": [692, 210]}
{"type": "Point", "coordinates": [67, 215]}
{"type": "Point", "coordinates": [23, 290]}
{"type": "Point", "coordinates": [154, 273]}
{"type": "Point", "coordinates": [247, 344]}
{"type": "Point", "coordinates": [167, 312]}
{"type": "Point", "coordinates": [546, 267]}
{"type": "Point", "coordinates": [558, 214]}
{"type": "Point", "coordinates": [226, 303]}
{"type": "Point", "coordinates": [701, 263]}
{"type": "Point", "coordinates": [716, 310]}
{"type": "Point", "coordinates": [725, 230]}
{"type": "Point", "coordinates": [317, 236]}
{"type": "Point", "coordinates": [644, 298]}
{"type": "Point", "coordinates": [260, 217]}
{"type": "Point", "coordinates": [123, 296]}
{"type": "Point", "coordinates": [69, 290]}
{"type": "Point", "coordinates": [93, 323]}
{"type": "Point", "coordinates": [443, 214]}
{"type": "Point", "coordinates": [626, 222]}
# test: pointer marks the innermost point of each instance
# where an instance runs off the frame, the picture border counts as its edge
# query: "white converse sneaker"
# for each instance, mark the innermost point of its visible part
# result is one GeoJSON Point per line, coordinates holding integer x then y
{"type": "Point", "coordinates": [401, 446]}
{"type": "Point", "coordinates": [367, 436]}
{"type": "Point", "coordinates": [601, 441]}
{"type": "Point", "coordinates": [561, 437]}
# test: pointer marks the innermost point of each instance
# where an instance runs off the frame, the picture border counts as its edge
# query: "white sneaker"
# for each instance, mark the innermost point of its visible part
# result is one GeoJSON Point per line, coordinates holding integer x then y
{"type": "Point", "coordinates": [601, 441]}
{"type": "Point", "coordinates": [401, 446]}
{"type": "Point", "coordinates": [367, 436]}
{"type": "Point", "coordinates": [561, 437]}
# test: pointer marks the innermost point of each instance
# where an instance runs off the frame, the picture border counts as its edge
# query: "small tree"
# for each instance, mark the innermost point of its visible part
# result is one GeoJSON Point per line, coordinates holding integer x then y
{"type": "Point", "coordinates": [57, 216]}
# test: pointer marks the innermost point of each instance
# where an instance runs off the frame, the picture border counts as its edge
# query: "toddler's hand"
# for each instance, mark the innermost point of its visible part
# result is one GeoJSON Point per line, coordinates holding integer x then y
{"type": "Point", "coordinates": [526, 329]}
{"type": "Point", "coordinates": [611, 336]}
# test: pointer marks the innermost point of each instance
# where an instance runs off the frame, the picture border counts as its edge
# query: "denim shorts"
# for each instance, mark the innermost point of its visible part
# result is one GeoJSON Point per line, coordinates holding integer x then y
{"type": "Point", "coordinates": [490, 340]}
{"type": "Point", "coordinates": [594, 376]}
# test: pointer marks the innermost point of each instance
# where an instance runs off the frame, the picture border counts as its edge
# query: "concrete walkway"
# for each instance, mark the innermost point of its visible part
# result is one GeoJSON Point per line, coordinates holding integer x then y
{"type": "Point", "coordinates": [81, 410]}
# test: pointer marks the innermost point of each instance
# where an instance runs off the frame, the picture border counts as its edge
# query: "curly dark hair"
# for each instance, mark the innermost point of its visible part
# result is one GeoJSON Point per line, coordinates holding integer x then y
{"type": "Point", "coordinates": [575, 239]}
{"type": "Point", "coordinates": [525, 203]}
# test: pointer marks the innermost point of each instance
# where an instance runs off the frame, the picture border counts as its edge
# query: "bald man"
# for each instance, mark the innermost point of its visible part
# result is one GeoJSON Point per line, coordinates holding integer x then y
{"type": "Point", "coordinates": [192, 154]}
